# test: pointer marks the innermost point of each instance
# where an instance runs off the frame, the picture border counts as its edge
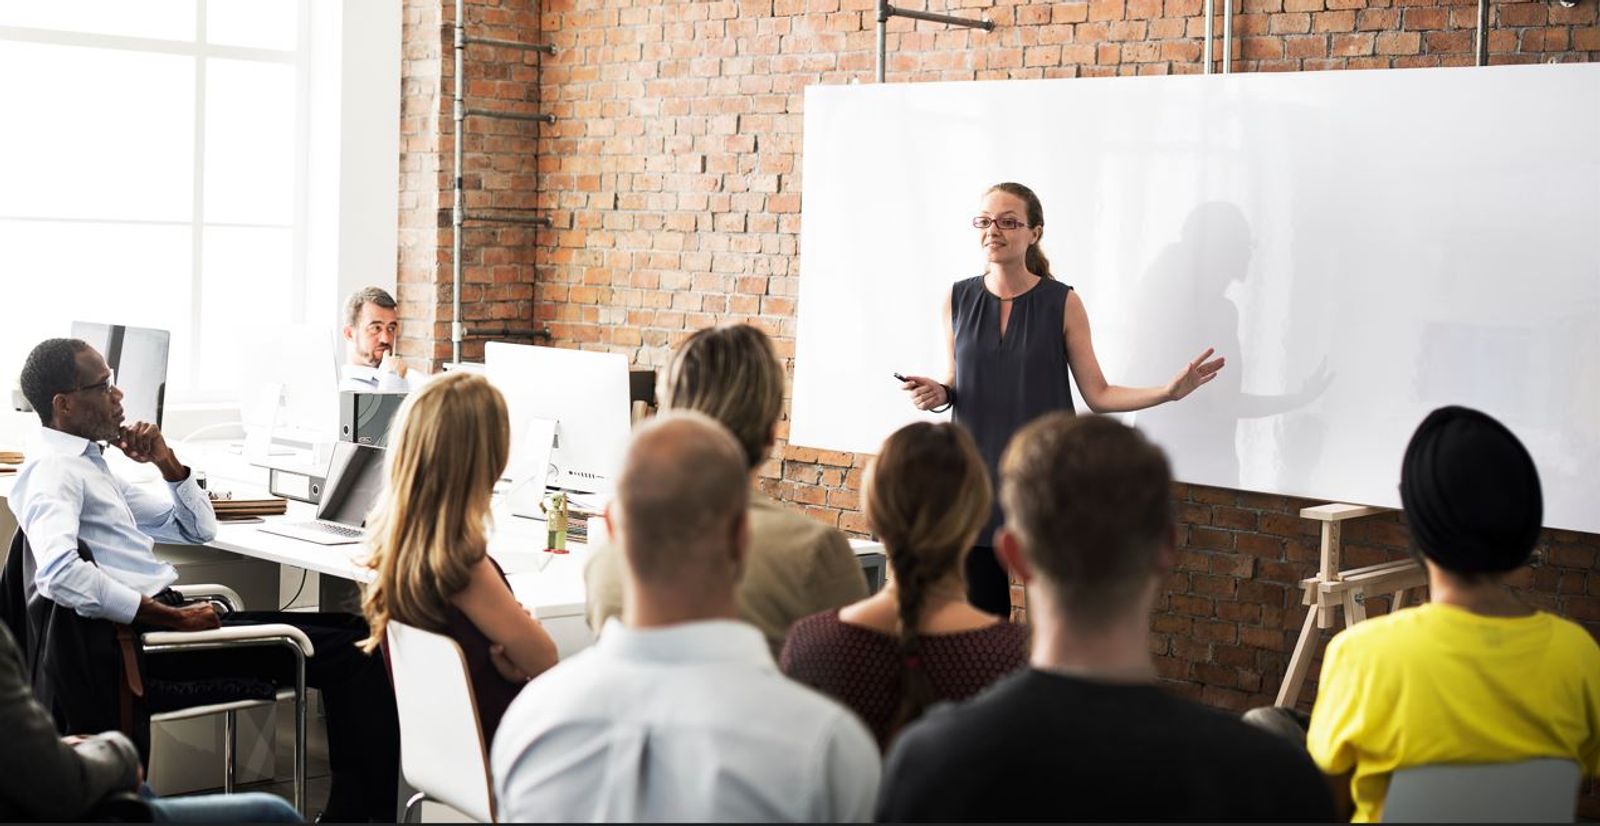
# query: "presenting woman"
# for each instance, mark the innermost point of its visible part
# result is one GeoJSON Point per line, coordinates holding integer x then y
{"type": "Point", "coordinates": [1014, 335]}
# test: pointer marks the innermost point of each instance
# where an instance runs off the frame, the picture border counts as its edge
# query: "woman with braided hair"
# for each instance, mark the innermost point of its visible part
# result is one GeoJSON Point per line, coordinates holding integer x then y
{"type": "Point", "coordinates": [918, 641]}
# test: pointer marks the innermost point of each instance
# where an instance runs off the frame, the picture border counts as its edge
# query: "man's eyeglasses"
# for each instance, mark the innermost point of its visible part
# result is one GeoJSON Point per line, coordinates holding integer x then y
{"type": "Point", "coordinates": [100, 386]}
{"type": "Point", "coordinates": [1007, 222]}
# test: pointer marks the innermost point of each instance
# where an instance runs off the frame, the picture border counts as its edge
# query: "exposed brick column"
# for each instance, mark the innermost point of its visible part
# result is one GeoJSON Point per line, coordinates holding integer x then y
{"type": "Point", "coordinates": [424, 111]}
{"type": "Point", "coordinates": [498, 170]}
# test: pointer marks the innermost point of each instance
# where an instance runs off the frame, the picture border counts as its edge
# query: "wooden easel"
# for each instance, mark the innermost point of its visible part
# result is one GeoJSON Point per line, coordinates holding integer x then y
{"type": "Point", "coordinates": [1332, 588]}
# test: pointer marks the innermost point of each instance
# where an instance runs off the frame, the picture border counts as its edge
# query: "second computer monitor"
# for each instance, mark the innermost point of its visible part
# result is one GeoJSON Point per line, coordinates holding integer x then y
{"type": "Point", "coordinates": [138, 356]}
{"type": "Point", "coordinates": [586, 395]}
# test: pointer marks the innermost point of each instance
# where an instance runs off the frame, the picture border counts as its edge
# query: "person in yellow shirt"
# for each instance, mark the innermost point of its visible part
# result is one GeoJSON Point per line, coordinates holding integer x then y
{"type": "Point", "coordinates": [1475, 675]}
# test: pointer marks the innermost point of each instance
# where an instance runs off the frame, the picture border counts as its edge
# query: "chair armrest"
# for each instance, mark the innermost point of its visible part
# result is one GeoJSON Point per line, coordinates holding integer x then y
{"type": "Point", "coordinates": [209, 591]}
{"type": "Point", "coordinates": [232, 633]}
{"type": "Point", "coordinates": [119, 807]}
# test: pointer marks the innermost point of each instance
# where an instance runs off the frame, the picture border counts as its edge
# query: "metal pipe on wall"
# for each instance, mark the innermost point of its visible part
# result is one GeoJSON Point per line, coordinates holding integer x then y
{"type": "Point", "coordinates": [883, 27]}
{"type": "Point", "coordinates": [886, 11]}
{"type": "Point", "coordinates": [457, 213]}
{"type": "Point", "coordinates": [1481, 46]}
{"type": "Point", "coordinates": [1207, 55]}
{"type": "Point", "coordinates": [1227, 36]}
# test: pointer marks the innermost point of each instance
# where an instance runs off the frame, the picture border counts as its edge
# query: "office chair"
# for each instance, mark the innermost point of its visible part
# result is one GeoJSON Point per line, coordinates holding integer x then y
{"type": "Point", "coordinates": [1527, 791]}
{"type": "Point", "coordinates": [442, 753]}
{"type": "Point", "coordinates": [272, 635]}
{"type": "Point", "coordinates": [96, 647]}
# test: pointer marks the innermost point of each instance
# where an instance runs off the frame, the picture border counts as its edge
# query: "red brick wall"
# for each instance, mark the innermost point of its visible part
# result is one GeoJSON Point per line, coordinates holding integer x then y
{"type": "Point", "coordinates": [500, 173]}
{"type": "Point", "coordinates": [673, 177]}
{"type": "Point", "coordinates": [1232, 610]}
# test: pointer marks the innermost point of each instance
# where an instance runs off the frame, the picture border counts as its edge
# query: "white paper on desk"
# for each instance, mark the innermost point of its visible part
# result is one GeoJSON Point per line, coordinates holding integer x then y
{"type": "Point", "coordinates": [530, 470]}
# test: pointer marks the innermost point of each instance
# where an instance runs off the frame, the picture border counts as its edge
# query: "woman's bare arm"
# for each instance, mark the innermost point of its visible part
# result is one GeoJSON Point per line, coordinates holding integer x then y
{"type": "Point", "coordinates": [491, 606]}
{"type": "Point", "coordinates": [1104, 397]}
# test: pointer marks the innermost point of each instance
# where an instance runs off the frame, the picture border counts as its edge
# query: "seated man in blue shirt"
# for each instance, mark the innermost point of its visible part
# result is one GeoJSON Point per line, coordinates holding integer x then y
{"type": "Point", "coordinates": [67, 494]}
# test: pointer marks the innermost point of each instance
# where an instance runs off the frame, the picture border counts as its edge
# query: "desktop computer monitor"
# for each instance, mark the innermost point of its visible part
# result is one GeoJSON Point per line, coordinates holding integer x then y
{"type": "Point", "coordinates": [289, 390]}
{"type": "Point", "coordinates": [138, 356]}
{"type": "Point", "coordinates": [585, 395]}
{"type": "Point", "coordinates": [306, 364]}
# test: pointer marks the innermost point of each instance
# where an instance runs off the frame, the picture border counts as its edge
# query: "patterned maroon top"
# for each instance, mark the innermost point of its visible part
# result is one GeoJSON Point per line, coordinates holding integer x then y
{"type": "Point", "coordinates": [861, 667]}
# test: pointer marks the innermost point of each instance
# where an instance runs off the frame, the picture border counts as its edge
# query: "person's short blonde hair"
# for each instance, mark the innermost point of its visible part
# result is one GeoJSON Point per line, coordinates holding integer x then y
{"type": "Point", "coordinates": [448, 446]}
{"type": "Point", "coordinates": [731, 373]}
{"type": "Point", "coordinates": [1090, 498]}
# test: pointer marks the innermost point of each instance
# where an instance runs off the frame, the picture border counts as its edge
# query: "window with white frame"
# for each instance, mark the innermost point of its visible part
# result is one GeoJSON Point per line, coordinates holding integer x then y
{"type": "Point", "coordinates": [153, 172]}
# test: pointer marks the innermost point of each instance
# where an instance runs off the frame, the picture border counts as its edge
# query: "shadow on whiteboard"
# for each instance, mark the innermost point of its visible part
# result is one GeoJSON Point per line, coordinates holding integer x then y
{"type": "Point", "coordinates": [1188, 287]}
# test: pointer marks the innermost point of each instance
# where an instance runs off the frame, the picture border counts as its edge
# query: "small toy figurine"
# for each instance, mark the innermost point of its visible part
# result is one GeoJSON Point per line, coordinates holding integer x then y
{"type": "Point", "coordinates": [554, 508]}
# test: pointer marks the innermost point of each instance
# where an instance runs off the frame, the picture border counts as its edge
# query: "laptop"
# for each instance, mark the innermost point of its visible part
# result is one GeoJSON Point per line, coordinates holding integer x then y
{"type": "Point", "coordinates": [355, 478]}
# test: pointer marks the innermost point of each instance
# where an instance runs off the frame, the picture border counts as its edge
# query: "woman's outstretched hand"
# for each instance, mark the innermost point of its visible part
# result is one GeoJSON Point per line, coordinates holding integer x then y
{"type": "Point", "coordinates": [1197, 372]}
{"type": "Point", "coordinates": [926, 393]}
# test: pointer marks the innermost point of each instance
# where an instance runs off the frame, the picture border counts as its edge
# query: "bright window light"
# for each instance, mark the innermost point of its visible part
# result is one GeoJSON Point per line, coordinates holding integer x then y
{"type": "Point", "coordinates": [158, 19]}
{"type": "Point", "coordinates": [253, 23]}
{"type": "Point", "coordinates": [155, 176]}
{"type": "Point", "coordinates": [251, 121]}
{"type": "Point", "coordinates": [243, 301]}
{"type": "Point", "coordinates": [117, 273]}
{"type": "Point", "coordinates": [111, 135]}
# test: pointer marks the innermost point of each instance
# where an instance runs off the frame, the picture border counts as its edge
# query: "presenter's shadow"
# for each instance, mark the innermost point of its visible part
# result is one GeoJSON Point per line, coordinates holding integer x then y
{"type": "Point", "coordinates": [1189, 299]}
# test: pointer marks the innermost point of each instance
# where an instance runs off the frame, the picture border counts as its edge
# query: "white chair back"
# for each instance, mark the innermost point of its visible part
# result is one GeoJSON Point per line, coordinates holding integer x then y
{"type": "Point", "coordinates": [1527, 791]}
{"type": "Point", "coordinates": [442, 753]}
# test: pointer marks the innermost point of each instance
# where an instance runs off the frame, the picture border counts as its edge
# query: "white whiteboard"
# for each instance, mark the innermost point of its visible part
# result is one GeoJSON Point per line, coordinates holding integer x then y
{"type": "Point", "coordinates": [1362, 246]}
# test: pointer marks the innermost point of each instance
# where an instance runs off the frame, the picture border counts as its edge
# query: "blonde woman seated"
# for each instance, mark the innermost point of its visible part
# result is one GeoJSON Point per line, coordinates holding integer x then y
{"type": "Point", "coordinates": [797, 565]}
{"type": "Point", "coordinates": [430, 541]}
{"type": "Point", "coordinates": [918, 641]}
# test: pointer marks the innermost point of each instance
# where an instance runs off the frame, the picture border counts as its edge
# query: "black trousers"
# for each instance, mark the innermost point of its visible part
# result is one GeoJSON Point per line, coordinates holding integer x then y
{"type": "Point", "coordinates": [988, 586]}
{"type": "Point", "coordinates": [363, 726]}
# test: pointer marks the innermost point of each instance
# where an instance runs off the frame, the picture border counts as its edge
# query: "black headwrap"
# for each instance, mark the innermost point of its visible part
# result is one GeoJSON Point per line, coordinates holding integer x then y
{"type": "Point", "coordinates": [1471, 493]}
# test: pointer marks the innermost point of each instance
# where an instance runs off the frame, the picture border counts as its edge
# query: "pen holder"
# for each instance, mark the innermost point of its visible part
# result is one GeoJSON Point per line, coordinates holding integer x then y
{"type": "Point", "coordinates": [554, 508]}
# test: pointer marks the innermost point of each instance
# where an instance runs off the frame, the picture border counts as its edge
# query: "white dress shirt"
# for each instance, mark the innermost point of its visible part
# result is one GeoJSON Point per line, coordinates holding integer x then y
{"type": "Point", "coordinates": [364, 379]}
{"type": "Point", "coordinates": [691, 722]}
{"type": "Point", "coordinates": [67, 493]}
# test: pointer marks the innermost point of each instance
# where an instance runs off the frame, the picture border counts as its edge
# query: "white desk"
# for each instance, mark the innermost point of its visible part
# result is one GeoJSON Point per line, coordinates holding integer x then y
{"type": "Point", "coordinates": [550, 585]}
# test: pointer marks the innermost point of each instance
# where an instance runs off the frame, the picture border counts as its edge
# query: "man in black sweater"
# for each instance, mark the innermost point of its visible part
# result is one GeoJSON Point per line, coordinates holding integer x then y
{"type": "Point", "coordinates": [1087, 733]}
{"type": "Point", "coordinates": [44, 776]}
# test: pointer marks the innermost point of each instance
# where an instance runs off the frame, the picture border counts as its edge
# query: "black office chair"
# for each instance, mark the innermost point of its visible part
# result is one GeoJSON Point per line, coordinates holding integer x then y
{"type": "Point", "coordinates": [60, 648]}
{"type": "Point", "coordinates": [641, 394]}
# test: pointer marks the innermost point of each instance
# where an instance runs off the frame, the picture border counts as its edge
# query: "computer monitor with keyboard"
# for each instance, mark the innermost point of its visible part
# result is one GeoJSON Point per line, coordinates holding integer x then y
{"type": "Point", "coordinates": [355, 480]}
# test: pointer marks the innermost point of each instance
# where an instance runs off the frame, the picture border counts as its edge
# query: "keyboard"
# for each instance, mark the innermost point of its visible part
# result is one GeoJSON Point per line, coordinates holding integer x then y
{"type": "Point", "coordinates": [331, 527]}
{"type": "Point", "coordinates": [318, 531]}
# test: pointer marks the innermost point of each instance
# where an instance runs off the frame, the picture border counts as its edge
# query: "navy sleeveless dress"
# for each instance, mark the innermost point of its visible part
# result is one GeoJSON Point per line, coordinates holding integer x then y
{"type": "Point", "coordinates": [491, 692]}
{"type": "Point", "coordinates": [1002, 383]}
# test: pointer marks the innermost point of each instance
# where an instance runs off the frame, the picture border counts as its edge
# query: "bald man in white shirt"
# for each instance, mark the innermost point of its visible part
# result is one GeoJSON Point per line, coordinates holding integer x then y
{"type": "Point", "coordinates": [678, 712]}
